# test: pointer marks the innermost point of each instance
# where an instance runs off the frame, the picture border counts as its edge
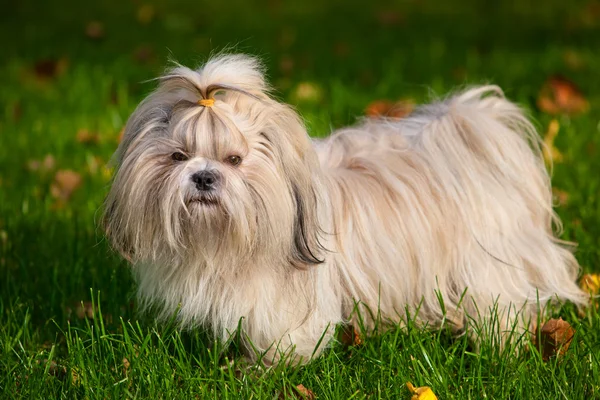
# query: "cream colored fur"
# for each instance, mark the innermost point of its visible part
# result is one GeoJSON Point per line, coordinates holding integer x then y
{"type": "Point", "coordinates": [452, 201]}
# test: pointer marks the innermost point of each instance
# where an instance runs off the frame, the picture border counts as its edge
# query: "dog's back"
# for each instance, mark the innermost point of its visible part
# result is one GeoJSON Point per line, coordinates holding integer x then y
{"type": "Point", "coordinates": [454, 198]}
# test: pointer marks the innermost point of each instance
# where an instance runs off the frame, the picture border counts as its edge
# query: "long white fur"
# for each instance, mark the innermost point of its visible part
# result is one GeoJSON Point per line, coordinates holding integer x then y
{"type": "Point", "coordinates": [452, 201]}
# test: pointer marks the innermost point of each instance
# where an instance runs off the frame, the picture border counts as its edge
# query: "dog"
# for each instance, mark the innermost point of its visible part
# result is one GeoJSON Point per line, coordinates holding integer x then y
{"type": "Point", "coordinates": [235, 220]}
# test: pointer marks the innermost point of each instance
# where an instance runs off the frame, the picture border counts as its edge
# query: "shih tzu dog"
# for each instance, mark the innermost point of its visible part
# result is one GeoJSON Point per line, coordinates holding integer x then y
{"type": "Point", "coordinates": [233, 218]}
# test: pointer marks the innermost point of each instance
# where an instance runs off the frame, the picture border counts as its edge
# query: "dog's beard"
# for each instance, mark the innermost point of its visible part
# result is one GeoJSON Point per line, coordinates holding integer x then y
{"type": "Point", "coordinates": [219, 228]}
{"type": "Point", "coordinates": [247, 216]}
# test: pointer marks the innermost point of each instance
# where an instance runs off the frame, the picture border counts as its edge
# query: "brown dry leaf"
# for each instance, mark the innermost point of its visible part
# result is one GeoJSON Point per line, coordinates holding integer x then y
{"type": "Point", "coordinates": [305, 393]}
{"type": "Point", "coordinates": [94, 30]}
{"type": "Point", "coordinates": [556, 336]}
{"type": "Point", "coordinates": [421, 393]}
{"type": "Point", "coordinates": [389, 17]}
{"type": "Point", "coordinates": [551, 153]}
{"type": "Point", "coordinates": [54, 369]}
{"type": "Point", "coordinates": [145, 14]}
{"type": "Point", "coordinates": [47, 164]}
{"type": "Point", "coordinates": [590, 15]}
{"type": "Point", "coordinates": [286, 64]}
{"type": "Point", "coordinates": [82, 310]}
{"type": "Point", "coordinates": [386, 108]}
{"type": "Point", "coordinates": [341, 49]}
{"type": "Point", "coordinates": [144, 54]}
{"type": "Point", "coordinates": [590, 283]}
{"type": "Point", "coordinates": [16, 111]}
{"type": "Point", "coordinates": [561, 96]}
{"type": "Point", "coordinates": [84, 136]}
{"type": "Point", "coordinates": [126, 365]}
{"type": "Point", "coordinates": [561, 197]}
{"type": "Point", "coordinates": [287, 37]}
{"type": "Point", "coordinates": [50, 68]}
{"type": "Point", "coordinates": [349, 336]}
{"type": "Point", "coordinates": [65, 183]}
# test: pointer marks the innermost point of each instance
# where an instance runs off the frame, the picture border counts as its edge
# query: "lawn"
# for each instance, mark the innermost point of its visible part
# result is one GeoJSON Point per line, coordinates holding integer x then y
{"type": "Point", "coordinates": [72, 72]}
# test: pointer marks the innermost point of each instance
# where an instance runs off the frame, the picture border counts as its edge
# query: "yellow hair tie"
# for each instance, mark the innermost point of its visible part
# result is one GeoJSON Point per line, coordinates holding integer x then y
{"type": "Point", "coordinates": [206, 102]}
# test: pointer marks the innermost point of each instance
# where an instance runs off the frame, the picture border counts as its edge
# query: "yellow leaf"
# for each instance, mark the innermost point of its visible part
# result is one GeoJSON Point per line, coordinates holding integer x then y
{"type": "Point", "coordinates": [590, 283]}
{"type": "Point", "coordinates": [421, 393]}
{"type": "Point", "coordinates": [551, 153]}
{"type": "Point", "coordinates": [145, 14]}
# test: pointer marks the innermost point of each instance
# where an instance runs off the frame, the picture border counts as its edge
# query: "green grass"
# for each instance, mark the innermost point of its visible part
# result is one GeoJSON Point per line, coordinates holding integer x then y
{"type": "Point", "coordinates": [53, 255]}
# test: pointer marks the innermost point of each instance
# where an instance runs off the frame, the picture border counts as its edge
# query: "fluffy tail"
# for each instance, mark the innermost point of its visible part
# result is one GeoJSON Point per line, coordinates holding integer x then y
{"type": "Point", "coordinates": [487, 157]}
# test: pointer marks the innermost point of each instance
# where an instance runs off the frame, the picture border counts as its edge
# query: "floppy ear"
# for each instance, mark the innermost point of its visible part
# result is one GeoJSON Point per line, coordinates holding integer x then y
{"type": "Point", "coordinates": [304, 179]}
{"type": "Point", "coordinates": [114, 229]}
{"type": "Point", "coordinates": [307, 248]}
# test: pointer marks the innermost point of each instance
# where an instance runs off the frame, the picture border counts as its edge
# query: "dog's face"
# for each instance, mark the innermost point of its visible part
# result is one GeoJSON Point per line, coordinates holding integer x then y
{"type": "Point", "coordinates": [220, 182]}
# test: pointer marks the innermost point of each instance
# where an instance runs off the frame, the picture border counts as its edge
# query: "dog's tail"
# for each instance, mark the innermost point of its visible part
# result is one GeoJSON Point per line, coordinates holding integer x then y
{"type": "Point", "coordinates": [487, 157]}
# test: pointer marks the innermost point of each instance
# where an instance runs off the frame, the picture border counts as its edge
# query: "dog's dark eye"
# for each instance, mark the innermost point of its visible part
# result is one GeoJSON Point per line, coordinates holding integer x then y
{"type": "Point", "coordinates": [234, 160]}
{"type": "Point", "coordinates": [178, 156]}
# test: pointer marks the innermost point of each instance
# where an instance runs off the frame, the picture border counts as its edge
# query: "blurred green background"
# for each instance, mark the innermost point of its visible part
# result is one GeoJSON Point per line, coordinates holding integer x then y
{"type": "Point", "coordinates": [71, 72]}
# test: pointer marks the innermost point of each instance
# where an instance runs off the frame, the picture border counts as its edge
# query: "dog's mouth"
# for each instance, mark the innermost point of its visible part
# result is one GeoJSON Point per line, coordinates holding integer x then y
{"type": "Point", "coordinates": [208, 201]}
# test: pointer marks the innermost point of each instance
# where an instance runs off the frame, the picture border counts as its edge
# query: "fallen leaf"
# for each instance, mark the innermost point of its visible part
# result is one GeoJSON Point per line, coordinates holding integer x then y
{"type": "Point", "coordinates": [65, 183]}
{"type": "Point", "coordinates": [286, 64]}
{"type": "Point", "coordinates": [349, 336]}
{"type": "Point", "coordinates": [307, 92]}
{"type": "Point", "coordinates": [47, 164]}
{"type": "Point", "coordinates": [590, 14]}
{"type": "Point", "coordinates": [17, 111]}
{"type": "Point", "coordinates": [306, 393]}
{"type": "Point", "coordinates": [287, 37]}
{"type": "Point", "coordinates": [75, 379]}
{"type": "Point", "coordinates": [561, 96]}
{"type": "Point", "coordinates": [386, 108]}
{"type": "Point", "coordinates": [84, 136]}
{"type": "Point", "coordinates": [93, 164]}
{"type": "Point", "coordinates": [389, 17]}
{"type": "Point", "coordinates": [555, 336]}
{"type": "Point", "coordinates": [573, 59]}
{"type": "Point", "coordinates": [590, 283]}
{"type": "Point", "coordinates": [421, 393]}
{"type": "Point", "coordinates": [126, 365]}
{"type": "Point", "coordinates": [94, 30]}
{"type": "Point", "coordinates": [144, 54]}
{"type": "Point", "coordinates": [54, 369]}
{"type": "Point", "coordinates": [145, 14]}
{"type": "Point", "coordinates": [460, 73]}
{"type": "Point", "coordinates": [551, 153]}
{"type": "Point", "coordinates": [50, 68]}
{"type": "Point", "coordinates": [561, 198]}
{"type": "Point", "coordinates": [82, 310]}
{"type": "Point", "coordinates": [341, 49]}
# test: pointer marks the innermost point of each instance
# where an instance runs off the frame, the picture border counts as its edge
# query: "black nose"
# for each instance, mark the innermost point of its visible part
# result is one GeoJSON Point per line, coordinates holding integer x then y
{"type": "Point", "coordinates": [205, 180]}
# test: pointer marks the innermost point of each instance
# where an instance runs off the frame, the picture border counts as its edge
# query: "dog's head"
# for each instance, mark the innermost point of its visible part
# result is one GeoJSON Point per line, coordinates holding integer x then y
{"type": "Point", "coordinates": [212, 167]}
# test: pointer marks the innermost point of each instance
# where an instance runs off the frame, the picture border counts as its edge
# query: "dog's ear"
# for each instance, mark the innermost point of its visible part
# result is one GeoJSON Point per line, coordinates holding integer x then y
{"type": "Point", "coordinates": [307, 248]}
{"type": "Point", "coordinates": [303, 172]}
{"type": "Point", "coordinates": [116, 234]}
